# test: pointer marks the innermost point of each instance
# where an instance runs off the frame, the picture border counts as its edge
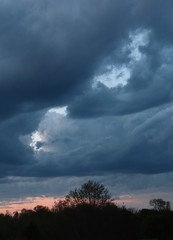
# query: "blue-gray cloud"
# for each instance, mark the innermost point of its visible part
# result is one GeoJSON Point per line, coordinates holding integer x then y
{"type": "Point", "coordinates": [138, 143]}
{"type": "Point", "coordinates": [49, 50]}
{"type": "Point", "coordinates": [50, 54]}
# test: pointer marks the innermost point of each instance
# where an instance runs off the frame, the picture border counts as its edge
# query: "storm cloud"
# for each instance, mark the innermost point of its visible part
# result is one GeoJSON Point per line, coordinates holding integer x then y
{"type": "Point", "coordinates": [109, 64]}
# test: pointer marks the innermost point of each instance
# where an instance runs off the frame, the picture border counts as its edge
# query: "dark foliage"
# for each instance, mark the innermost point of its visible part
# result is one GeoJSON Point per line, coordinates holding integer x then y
{"type": "Point", "coordinates": [80, 222]}
{"type": "Point", "coordinates": [85, 220]}
{"type": "Point", "coordinates": [91, 193]}
{"type": "Point", "coordinates": [160, 204]}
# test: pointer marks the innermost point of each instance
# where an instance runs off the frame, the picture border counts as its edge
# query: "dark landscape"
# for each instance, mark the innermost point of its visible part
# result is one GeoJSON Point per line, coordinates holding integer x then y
{"type": "Point", "coordinates": [89, 213]}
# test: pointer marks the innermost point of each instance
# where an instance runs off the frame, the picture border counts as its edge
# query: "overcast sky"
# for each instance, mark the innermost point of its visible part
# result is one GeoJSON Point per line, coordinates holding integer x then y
{"type": "Point", "coordinates": [86, 92]}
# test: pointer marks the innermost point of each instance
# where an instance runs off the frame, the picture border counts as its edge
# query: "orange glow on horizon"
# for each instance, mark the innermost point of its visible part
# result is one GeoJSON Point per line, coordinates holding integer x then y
{"type": "Point", "coordinates": [31, 202]}
{"type": "Point", "coordinates": [27, 203]}
{"type": "Point", "coordinates": [137, 201]}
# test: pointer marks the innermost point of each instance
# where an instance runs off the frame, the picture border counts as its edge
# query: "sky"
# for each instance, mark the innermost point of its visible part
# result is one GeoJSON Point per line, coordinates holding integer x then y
{"type": "Point", "coordinates": [86, 92]}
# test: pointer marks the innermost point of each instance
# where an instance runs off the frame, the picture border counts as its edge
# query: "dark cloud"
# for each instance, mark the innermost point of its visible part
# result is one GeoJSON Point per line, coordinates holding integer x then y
{"type": "Point", "coordinates": [15, 156]}
{"type": "Point", "coordinates": [150, 83]}
{"type": "Point", "coordinates": [139, 143]}
{"type": "Point", "coordinates": [51, 52]}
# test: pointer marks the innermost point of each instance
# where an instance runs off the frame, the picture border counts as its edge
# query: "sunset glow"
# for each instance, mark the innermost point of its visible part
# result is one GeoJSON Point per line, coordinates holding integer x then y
{"type": "Point", "coordinates": [27, 203]}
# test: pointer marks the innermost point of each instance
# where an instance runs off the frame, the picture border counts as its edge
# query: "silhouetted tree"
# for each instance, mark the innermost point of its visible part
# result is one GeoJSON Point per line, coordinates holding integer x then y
{"type": "Point", "coordinates": [160, 204]}
{"type": "Point", "coordinates": [90, 193]}
{"type": "Point", "coordinates": [89, 213]}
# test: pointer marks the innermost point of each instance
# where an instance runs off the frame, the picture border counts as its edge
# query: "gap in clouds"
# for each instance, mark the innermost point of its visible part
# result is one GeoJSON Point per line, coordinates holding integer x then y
{"type": "Point", "coordinates": [37, 139]}
{"type": "Point", "coordinates": [118, 75]}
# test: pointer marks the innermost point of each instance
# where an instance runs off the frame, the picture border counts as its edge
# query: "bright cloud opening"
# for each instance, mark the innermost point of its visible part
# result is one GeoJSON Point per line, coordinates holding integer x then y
{"type": "Point", "coordinates": [36, 137]}
{"type": "Point", "coordinates": [59, 110]}
{"type": "Point", "coordinates": [39, 137]}
{"type": "Point", "coordinates": [114, 77]}
{"type": "Point", "coordinates": [138, 39]}
{"type": "Point", "coordinates": [118, 75]}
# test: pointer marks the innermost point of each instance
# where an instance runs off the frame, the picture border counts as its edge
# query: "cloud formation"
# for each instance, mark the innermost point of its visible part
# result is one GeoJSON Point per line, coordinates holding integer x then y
{"type": "Point", "coordinates": [138, 143]}
{"type": "Point", "coordinates": [110, 64]}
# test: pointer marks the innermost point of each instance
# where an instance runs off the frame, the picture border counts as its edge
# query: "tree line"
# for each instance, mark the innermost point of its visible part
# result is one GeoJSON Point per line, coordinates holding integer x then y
{"type": "Point", "coordinates": [89, 212]}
